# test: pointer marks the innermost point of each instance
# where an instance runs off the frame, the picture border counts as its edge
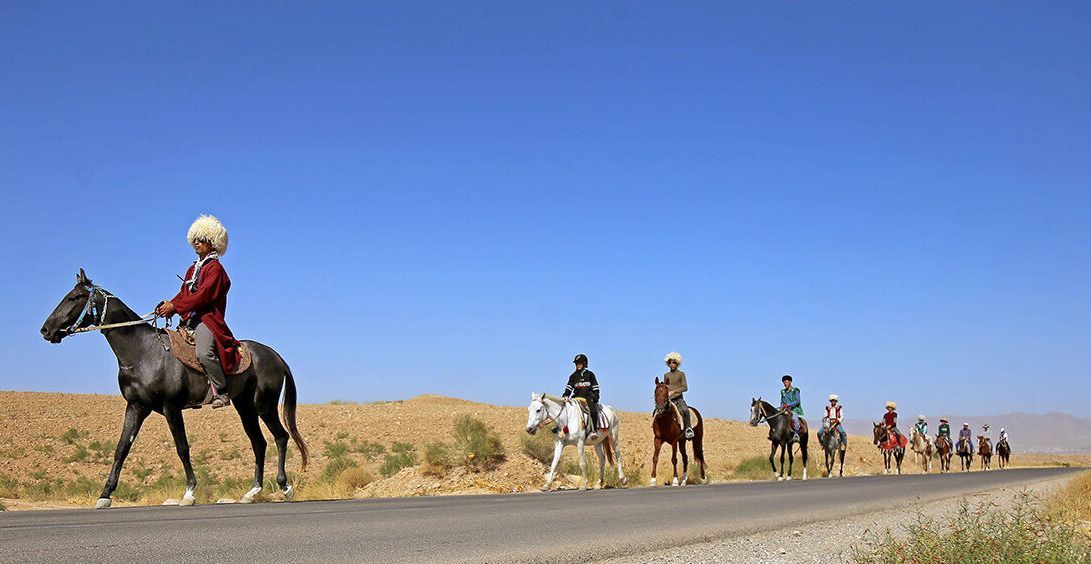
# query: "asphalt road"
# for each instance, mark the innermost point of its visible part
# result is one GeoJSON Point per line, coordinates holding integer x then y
{"type": "Point", "coordinates": [554, 527]}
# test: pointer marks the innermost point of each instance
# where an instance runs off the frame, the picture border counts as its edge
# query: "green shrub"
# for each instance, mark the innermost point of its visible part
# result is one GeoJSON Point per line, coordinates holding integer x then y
{"type": "Point", "coordinates": [73, 435]}
{"type": "Point", "coordinates": [757, 468]}
{"type": "Point", "coordinates": [336, 449]}
{"type": "Point", "coordinates": [1025, 533]}
{"type": "Point", "coordinates": [438, 458]}
{"type": "Point", "coordinates": [79, 455]}
{"type": "Point", "coordinates": [403, 455]}
{"type": "Point", "coordinates": [335, 466]}
{"type": "Point", "coordinates": [9, 487]}
{"type": "Point", "coordinates": [353, 478]}
{"type": "Point", "coordinates": [478, 446]}
{"type": "Point", "coordinates": [369, 449]}
{"type": "Point", "coordinates": [539, 446]}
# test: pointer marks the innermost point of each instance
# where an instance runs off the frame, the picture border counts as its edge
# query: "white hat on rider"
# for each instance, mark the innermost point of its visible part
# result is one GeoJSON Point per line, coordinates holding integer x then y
{"type": "Point", "coordinates": [965, 424]}
{"type": "Point", "coordinates": [920, 418]}
{"type": "Point", "coordinates": [833, 397]}
{"type": "Point", "coordinates": [677, 358]}
{"type": "Point", "coordinates": [1001, 429]}
{"type": "Point", "coordinates": [208, 229]}
{"type": "Point", "coordinates": [892, 405]}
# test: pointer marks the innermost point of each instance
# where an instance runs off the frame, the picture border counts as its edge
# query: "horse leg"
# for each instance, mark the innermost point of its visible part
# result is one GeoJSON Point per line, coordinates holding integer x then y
{"type": "Point", "coordinates": [685, 462]}
{"type": "Point", "coordinates": [772, 463]}
{"type": "Point", "coordinates": [280, 437]}
{"type": "Point", "coordinates": [134, 418]}
{"type": "Point", "coordinates": [181, 444]}
{"type": "Point", "coordinates": [617, 456]}
{"type": "Point", "coordinates": [558, 447]}
{"type": "Point", "coordinates": [583, 463]}
{"type": "Point", "coordinates": [841, 469]}
{"type": "Point", "coordinates": [655, 457]}
{"type": "Point", "coordinates": [674, 464]}
{"type": "Point", "coordinates": [803, 452]}
{"type": "Point", "coordinates": [249, 419]}
{"type": "Point", "coordinates": [602, 465]}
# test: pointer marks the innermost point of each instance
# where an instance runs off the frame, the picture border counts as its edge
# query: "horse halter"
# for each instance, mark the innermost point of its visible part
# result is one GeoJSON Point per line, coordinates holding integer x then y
{"type": "Point", "coordinates": [91, 308]}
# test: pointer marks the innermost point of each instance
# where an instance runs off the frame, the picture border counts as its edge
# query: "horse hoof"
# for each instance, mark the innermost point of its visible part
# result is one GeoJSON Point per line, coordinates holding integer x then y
{"type": "Point", "coordinates": [103, 503]}
{"type": "Point", "coordinates": [188, 500]}
{"type": "Point", "coordinates": [780, 478]}
{"type": "Point", "coordinates": [289, 492]}
{"type": "Point", "coordinates": [248, 497]}
{"type": "Point", "coordinates": [651, 482]}
{"type": "Point", "coordinates": [787, 477]}
{"type": "Point", "coordinates": [625, 481]}
{"type": "Point", "coordinates": [674, 482]}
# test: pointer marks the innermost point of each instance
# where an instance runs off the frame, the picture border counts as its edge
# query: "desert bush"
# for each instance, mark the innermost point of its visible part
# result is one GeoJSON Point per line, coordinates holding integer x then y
{"type": "Point", "coordinates": [353, 478]}
{"type": "Point", "coordinates": [79, 455]}
{"type": "Point", "coordinates": [477, 445]}
{"type": "Point", "coordinates": [757, 468]}
{"type": "Point", "coordinates": [438, 458]}
{"type": "Point", "coordinates": [336, 449]}
{"type": "Point", "coordinates": [335, 466]}
{"type": "Point", "coordinates": [1027, 532]}
{"type": "Point", "coordinates": [2, 506]}
{"type": "Point", "coordinates": [9, 487]}
{"type": "Point", "coordinates": [539, 446]}
{"type": "Point", "coordinates": [1074, 499]}
{"type": "Point", "coordinates": [72, 436]}
{"type": "Point", "coordinates": [369, 449]}
{"type": "Point", "coordinates": [103, 452]}
{"type": "Point", "coordinates": [403, 455]}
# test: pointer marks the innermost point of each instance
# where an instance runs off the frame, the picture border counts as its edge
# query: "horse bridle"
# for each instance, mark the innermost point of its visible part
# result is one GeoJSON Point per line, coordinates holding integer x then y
{"type": "Point", "coordinates": [97, 318]}
{"type": "Point", "coordinates": [765, 418]}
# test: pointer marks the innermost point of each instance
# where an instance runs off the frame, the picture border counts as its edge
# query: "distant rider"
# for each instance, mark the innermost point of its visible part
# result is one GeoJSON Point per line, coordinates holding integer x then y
{"type": "Point", "coordinates": [790, 402]}
{"type": "Point", "coordinates": [583, 384]}
{"type": "Point", "coordinates": [202, 303]}
{"type": "Point", "coordinates": [675, 380]}
{"type": "Point", "coordinates": [922, 428]}
{"type": "Point", "coordinates": [944, 431]}
{"type": "Point", "coordinates": [890, 420]}
{"type": "Point", "coordinates": [1003, 435]}
{"type": "Point", "coordinates": [966, 433]}
{"type": "Point", "coordinates": [835, 414]}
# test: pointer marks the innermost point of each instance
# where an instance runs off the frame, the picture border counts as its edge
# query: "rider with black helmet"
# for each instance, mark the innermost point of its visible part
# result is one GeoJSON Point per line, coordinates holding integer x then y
{"type": "Point", "coordinates": [582, 384]}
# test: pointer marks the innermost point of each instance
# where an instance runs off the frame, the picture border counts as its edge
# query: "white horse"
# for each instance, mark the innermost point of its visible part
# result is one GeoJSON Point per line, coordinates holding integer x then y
{"type": "Point", "coordinates": [922, 449]}
{"type": "Point", "coordinates": [568, 418]}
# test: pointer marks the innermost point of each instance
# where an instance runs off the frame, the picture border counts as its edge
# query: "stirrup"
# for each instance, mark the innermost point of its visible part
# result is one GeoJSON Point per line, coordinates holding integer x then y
{"type": "Point", "coordinates": [689, 432]}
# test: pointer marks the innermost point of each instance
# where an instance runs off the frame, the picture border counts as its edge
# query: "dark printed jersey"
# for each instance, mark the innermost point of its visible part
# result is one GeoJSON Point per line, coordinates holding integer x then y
{"type": "Point", "coordinates": [582, 384]}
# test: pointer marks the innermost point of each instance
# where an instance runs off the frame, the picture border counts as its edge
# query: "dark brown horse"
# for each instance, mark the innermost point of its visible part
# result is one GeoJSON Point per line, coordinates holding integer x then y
{"type": "Point", "coordinates": [667, 429]}
{"type": "Point", "coordinates": [985, 451]}
{"type": "Point", "coordinates": [945, 452]}
{"type": "Point", "coordinates": [965, 454]}
{"type": "Point", "coordinates": [1003, 451]}
{"type": "Point", "coordinates": [892, 446]}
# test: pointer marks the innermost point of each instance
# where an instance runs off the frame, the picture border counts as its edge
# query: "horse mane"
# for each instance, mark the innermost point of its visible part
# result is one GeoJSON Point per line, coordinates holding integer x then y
{"type": "Point", "coordinates": [552, 398]}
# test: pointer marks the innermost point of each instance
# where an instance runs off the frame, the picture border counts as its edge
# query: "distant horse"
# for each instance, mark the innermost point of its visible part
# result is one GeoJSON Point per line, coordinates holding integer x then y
{"type": "Point", "coordinates": [892, 446]}
{"type": "Point", "coordinates": [567, 416]}
{"type": "Point", "coordinates": [780, 435]}
{"type": "Point", "coordinates": [965, 455]}
{"type": "Point", "coordinates": [668, 429]}
{"type": "Point", "coordinates": [944, 450]}
{"type": "Point", "coordinates": [922, 450]}
{"type": "Point", "coordinates": [152, 379]}
{"type": "Point", "coordinates": [985, 451]}
{"type": "Point", "coordinates": [831, 443]}
{"type": "Point", "coordinates": [1003, 451]}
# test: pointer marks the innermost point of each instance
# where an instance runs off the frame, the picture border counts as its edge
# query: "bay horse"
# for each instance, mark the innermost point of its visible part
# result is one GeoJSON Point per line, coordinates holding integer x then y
{"type": "Point", "coordinates": [944, 451]}
{"type": "Point", "coordinates": [831, 443]}
{"type": "Point", "coordinates": [965, 456]}
{"type": "Point", "coordinates": [780, 435]}
{"type": "Point", "coordinates": [152, 379]}
{"type": "Point", "coordinates": [667, 429]}
{"type": "Point", "coordinates": [567, 416]}
{"type": "Point", "coordinates": [985, 451]}
{"type": "Point", "coordinates": [1003, 451]}
{"type": "Point", "coordinates": [922, 450]}
{"type": "Point", "coordinates": [893, 447]}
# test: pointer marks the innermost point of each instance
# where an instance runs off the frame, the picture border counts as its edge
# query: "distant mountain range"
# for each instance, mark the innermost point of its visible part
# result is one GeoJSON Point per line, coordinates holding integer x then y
{"type": "Point", "coordinates": [1027, 432]}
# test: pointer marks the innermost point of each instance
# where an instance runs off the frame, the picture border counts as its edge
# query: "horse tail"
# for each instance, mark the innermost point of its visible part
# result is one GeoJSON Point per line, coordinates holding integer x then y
{"type": "Point", "coordinates": [289, 415]}
{"type": "Point", "coordinates": [608, 446]}
{"type": "Point", "coordinates": [699, 439]}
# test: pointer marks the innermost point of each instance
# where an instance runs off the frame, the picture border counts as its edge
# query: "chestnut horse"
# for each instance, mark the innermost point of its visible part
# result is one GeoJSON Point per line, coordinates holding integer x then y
{"type": "Point", "coordinates": [893, 447]}
{"type": "Point", "coordinates": [668, 429]}
{"type": "Point", "coordinates": [985, 451]}
{"type": "Point", "coordinates": [943, 449]}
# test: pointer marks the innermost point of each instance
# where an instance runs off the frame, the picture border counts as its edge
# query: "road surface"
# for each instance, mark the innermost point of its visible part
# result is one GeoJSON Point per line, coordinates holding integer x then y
{"type": "Point", "coordinates": [554, 527]}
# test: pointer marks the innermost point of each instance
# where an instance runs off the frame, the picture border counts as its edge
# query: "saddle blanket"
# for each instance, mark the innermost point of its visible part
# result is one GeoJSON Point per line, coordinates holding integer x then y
{"type": "Point", "coordinates": [184, 348]}
{"type": "Point", "coordinates": [604, 423]}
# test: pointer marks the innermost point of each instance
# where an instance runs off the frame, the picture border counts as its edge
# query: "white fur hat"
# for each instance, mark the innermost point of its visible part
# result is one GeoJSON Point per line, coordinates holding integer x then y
{"type": "Point", "coordinates": [833, 397]}
{"type": "Point", "coordinates": [673, 356]}
{"type": "Point", "coordinates": [892, 405]}
{"type": "Point", "coordinates": [208, 229]}
{"type": "Point", "coordinates": [920, 418]}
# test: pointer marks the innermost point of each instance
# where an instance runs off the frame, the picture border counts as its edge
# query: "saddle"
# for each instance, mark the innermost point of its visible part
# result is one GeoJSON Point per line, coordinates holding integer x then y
{"type": "Point", "coordinates": [184, 347]}
{"type": "Point", "coordinates": [586, 412]}
{"type": "Point", "coordinates": [678, 415]}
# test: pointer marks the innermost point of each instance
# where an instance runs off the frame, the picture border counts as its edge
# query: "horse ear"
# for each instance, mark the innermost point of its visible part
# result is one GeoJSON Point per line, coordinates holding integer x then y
{"type": "Point", "coordinates": [657, 380]}
{"type": "Point", "coordinates": [82, 277]}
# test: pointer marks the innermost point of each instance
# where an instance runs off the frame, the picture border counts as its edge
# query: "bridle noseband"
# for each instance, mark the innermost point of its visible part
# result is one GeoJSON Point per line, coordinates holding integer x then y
{"type": "Point", "coordinates": [91, 308]}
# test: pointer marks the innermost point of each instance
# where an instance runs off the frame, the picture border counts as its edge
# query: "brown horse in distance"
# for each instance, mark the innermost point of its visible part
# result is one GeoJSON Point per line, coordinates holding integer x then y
{"type": "Point", "coordinates": [945, 452]}
{"type": "Point", "coordinates": [668, 429]}
{"type": "Point", "coordinates": [985, 451]}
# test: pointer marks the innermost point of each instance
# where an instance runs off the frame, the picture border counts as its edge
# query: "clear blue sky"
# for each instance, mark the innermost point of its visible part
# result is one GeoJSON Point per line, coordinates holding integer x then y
{"type": "Point", "coordinates": [886, 202]}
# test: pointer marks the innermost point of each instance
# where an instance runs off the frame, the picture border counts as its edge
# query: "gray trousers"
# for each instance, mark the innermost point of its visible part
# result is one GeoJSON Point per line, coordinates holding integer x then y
{"type": "Point", "coordinates": [206, 353]}
{"type": "Point", "coordinates": [681, 403]}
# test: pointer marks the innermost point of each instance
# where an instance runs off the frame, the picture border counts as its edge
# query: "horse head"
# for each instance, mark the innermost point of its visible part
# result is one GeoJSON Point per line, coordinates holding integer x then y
{"type": "Point", "coordinates": [878, 433]}
{"type": "Point", "coordinates": [661, 395]}
{"type": "Point", "coordinates": [537, 414]}
{"type": "Point", "coordinates": [757, 411]}
{"type": "Point", "coordinates": [76, 309]}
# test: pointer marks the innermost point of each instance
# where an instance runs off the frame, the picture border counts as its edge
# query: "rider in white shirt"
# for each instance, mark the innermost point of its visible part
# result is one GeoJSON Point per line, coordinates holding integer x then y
{"type": "Point", "coordinates": [835, 413]}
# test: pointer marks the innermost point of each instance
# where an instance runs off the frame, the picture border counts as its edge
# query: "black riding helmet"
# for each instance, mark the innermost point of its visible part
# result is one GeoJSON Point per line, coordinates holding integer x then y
{"type": "Point", "coordinates": [580, 359]}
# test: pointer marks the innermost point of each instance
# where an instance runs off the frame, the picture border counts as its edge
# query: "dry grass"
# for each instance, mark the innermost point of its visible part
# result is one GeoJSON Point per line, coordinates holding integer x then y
{"type": "Point", "coordinates": [1074, 501]}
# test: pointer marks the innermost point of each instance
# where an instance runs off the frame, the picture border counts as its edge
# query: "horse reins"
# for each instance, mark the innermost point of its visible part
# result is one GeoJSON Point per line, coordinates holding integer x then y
{"type": "Point", "coordinates": [90, 307]}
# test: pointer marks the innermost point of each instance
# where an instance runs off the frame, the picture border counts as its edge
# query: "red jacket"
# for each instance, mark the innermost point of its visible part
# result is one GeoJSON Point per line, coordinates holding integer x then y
{"type": "Point", "coordinates": [890, 418]}
{"type": "Point", "coordinates": [209, 304]}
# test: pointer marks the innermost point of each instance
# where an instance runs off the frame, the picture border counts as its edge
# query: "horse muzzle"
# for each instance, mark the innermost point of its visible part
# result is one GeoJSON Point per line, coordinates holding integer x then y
{"type": "Point", "coordinates": [53, 335]}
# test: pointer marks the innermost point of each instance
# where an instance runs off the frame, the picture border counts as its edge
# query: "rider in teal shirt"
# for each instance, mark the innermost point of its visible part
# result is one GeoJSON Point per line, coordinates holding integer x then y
{"type": "Point", "coordinates": [789, 401]}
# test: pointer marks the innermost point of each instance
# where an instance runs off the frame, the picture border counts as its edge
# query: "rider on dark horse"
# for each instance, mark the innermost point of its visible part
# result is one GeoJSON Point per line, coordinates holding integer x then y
{"type": "Point", "coordinates": [944, 431]}
{"type": "Point", "coordinates": [675, 380]}
{"type": "Point", "coordinates": [202, 303]}
{"type": "Point", "coordinates": [790, 403]}
{"type": "Point", "coordinates": [890, 421]}
{"type": "Point", "coordinates": [583, 384]}
{"type": "Point", "coordinates": [835, 414]}
{"type": "Point", "coordinates": [967, 434]}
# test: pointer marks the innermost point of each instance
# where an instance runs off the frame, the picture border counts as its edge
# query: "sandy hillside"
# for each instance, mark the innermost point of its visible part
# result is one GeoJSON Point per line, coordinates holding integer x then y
{"type": "Point", "coordinates": [50, 441]}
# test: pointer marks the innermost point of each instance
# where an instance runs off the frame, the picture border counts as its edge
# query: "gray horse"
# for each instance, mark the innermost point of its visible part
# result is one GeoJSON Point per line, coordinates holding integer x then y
{"type": "Point", "coordinates": [152, 379]}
